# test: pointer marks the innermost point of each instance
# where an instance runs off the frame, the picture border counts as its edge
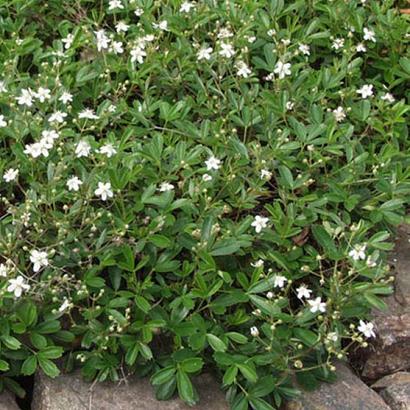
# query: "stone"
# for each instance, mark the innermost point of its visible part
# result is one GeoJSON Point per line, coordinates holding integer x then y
{"type": "Point", "coordinates": [395, 390]}
{"type": "Point", "coordinates": [7, 401]}
{"type": "Point", "coordinates": [390, 352]}
{"type": "Point", "coordinates": [347, 393]}
{"type": "Point", "coordinates": [70, 391]}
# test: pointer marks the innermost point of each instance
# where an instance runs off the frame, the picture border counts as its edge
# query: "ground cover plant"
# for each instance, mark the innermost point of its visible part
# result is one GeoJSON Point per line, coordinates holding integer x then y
{"type": "Point", "coordinates": [198, 186]}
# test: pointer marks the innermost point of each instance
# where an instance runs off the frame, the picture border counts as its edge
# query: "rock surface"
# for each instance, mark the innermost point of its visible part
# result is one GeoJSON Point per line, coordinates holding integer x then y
{"type": "Point", "coordinates": [391, 350]}
{"type": "Point", "coordinates": [347, 393]}
{"type": "Point", "coordinates": [395, 390]}
{"type": "Point", "coordinates": [71, 392]}
{"type": "Point", "coordinates": [7, 402]}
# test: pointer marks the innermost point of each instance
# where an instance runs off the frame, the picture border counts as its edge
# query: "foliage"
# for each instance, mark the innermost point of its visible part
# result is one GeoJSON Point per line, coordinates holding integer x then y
{"type": "Point", "coordinates": [198, 186]}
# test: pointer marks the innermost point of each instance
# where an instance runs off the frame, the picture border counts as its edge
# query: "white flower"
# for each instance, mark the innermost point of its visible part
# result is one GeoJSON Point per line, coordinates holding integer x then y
{"type": "Point", "coordinates": [270, 295]}
{"type": "Point", "coordinates": [108, 150]}
{"type": "Point", "coordinates": [3, 122]}
{"type": "Point", "coordinates": [369, 35]}
{"type": "Point", "coordinates": [290, 105]}
{"type": "Point", "coordinates": [265, 174]}
{"type": "Point", "coordinates": [35, 150]}
{"type": "Point", "coordinates": [204, 53]}
{"type": "Point", "coordinates": [48, 137]}
{"type": "Point", "coordinates": [39, 259]}
{"type": "Point", "coordinates": [227, 50]}
{"type": "Point", "coordinates": [212, 163]}
{"type": "Point", "coordinates": [82, 149]}
{"type": "Point", "coordinates": [332, 336]}
{"type": "Point", "coordinates": [303, 292]}
{"type": "Point", "coordinates": [338, 43]}
{"type": "Point", "coordinates": [68, 41]}
{"type": "Point", "coordinates": [251, 39]}
{"type": "Point", "coordinates": [243, 69]}
{"type": "Point", "coordinates": [10, 174]}
{"type": "Point", "coordinates": [121, 26]}
{"type": "Point", "coordinates": [388, 97]}
{"type": "Point", "coordinates": [259, 223]}
{"type": "Point", "coordinates": [26, 97]}
{"type": "Point", "coordinates": [17, 286]}
{"type": "Point", "coordinates": [74, 184]}
{"type": "Point", "coordinates": [42, 94]}
{"type": "Point", "coordinates": [186, 7]}
{"type": "Point", "coordinates": [102, 40]}
{"type": "Point", "coordinates": [282, 69]}
{"type": "Point", "coordinates": [66, 97]}
{"type": "Point", "coordinates": [3, 88]}
{"type": "Point", "coordinates": [358, 253]}
{"type": "Point", "coordinates": [270, 77]}
{"type": "Point", "coordinates": [271, 32]}
{"type": "Point", "coordinates": [366, 329]}
{"type": "Point", "coordinates": [370, 262]}
{"type": "Point", "coordinates": [206, 177]}
{"type": "Point", "coordinates": [117, 47]}
{"type": "Point", "coordinates": [64, 305]}
{"type": "Point", "coordinates": [88, 113]}
{"type": "Point", "coordinates": [58, 117]}
{"type": "Point", "coordinates": [258, 264]}
{"type": "Point", "coordinates": [104, 190]}
{"type": "Point", "coordinates": [279, 281]}
{"type": "Point", "coordinates": [166, 186]}
{"type": "Point", "coordinates": [3, 270]}
{"type": "Point", "coordinates": [224, 33]}
{"type": "Point", "coordinates": [304, 49]}
{"type": "Point", "coordinates": [115, 4]}
{"type": "Point", "coordinates": [138, 12]}
{"type": "Point", "coordinates": [361, 48]}
{"type": "Point", "coordinates": [317, 305]}
{"type": "Point", "coordinates": [339, 114]}
{"type": "Point", "coordinates": [254, 331]}
{"type": "Point", "coordinates": [137, 54]}
{"type": "Point", "coordinates": [163, 25]}
{"type": "Point", "coordinates": [365, 91]}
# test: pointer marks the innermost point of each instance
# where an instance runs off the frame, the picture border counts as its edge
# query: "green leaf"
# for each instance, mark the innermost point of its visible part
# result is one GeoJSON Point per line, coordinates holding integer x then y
{"type": "Point", "coordinates": [325, 241]}
{"type": "Point", "coordinates": [132, 354]}
{"type": "Point", "coordinates": [85, 73]}
{"type": "Point", "coordinates": [260, 404]}
{"type": "Point", "coordinates": [308, 337]}
{"type": "Point", "coordinates": [230, 375]}
{"type": "Point", "coordinates": [51, 352]}
{"type": "Point", "coordinates": [160, 241]}
{"type": "Point", "coordinates": [216, 343]}
{"type": "Point", "coordinates": [49, 368]}
{"type": "Point", "coordinates": [142, 304]}
{"type": "Point", "coordinates": [4, 366]}
{"type": "Point", "coordinates": [27, 313]}
{"type": "Point", "coordinates": [29, 366]}
{"type": "Point", "coordinates": [227, 247]}
{"type": "Point", "coordinates": [192, 365]}
{"type": "Point", "coordinates": [38, 341]}
{"type": "Point", "coordinates": [185, 388]}
{"type": "Point", "coordinates": [163, 376]}
{"type": "Point", "coordinates": [11, 342]}
{"type": "Point", "coordinates": [248, 372]}
{"type": "Point", "coordinates": [286, 176]}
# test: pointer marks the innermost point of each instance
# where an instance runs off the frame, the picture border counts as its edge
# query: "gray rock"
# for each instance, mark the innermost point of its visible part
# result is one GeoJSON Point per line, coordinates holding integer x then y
{"type": "Point", "coordinates": [347, 393]}
{"type": "Point", "coordinates": [71, 392]}
{"type": "Point", "coordinates": [7, 402]}
{"type": "Point", "coordinates": [391, 350]}
{"type": "Point", "coordinates": [395, 390]}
